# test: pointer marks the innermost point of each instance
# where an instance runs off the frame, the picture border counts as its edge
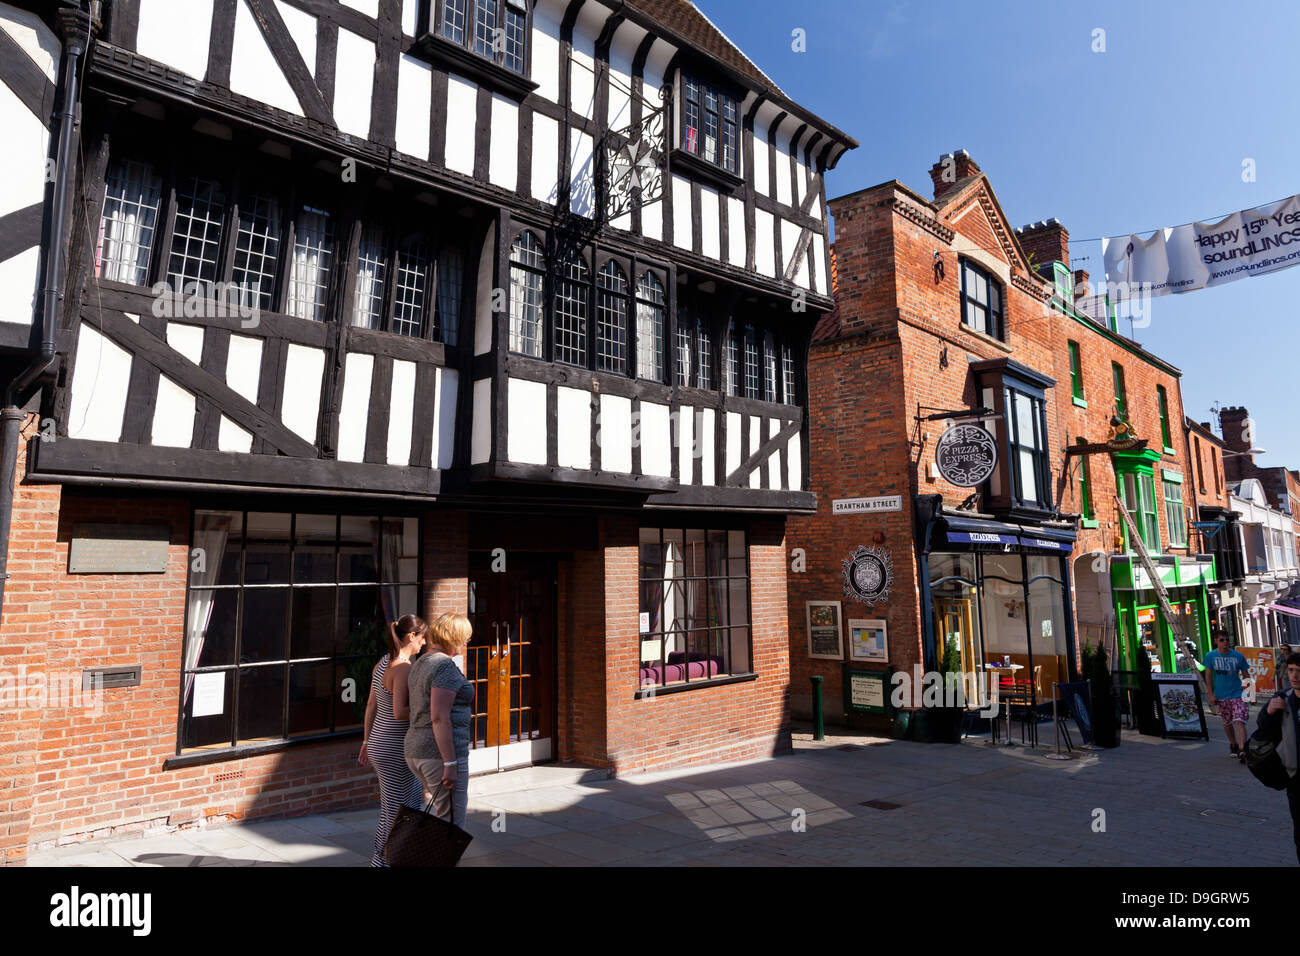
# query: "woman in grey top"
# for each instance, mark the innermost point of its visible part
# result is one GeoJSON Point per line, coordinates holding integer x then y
{"type": "Point", "coordinates": [437, 742]}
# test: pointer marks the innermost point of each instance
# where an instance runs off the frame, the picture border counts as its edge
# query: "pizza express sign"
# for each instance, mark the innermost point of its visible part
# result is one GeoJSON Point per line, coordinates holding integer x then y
{"type": "Point", "coordinates": [966, 455]}
{"type": "Point", "coordinates": [868, 575]}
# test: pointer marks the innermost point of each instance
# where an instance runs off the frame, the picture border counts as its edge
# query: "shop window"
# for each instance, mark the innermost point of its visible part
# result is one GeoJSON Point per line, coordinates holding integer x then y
{"type": "Point", "coordinates": [282, 610]}
{"type": "Point", "coordinates": [694, 606]}
{"type": "Point", "coordinates": [1175, 515]}
{"type": "Point", "coordinates": [981, 297]}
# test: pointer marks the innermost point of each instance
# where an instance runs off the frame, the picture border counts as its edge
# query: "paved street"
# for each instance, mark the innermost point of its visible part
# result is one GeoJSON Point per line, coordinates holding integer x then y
{"type": "Point", "coordinates": [1165, 802]}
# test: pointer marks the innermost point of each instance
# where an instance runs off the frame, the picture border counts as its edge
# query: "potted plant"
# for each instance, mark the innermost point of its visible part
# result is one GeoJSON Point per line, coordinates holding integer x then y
{"type": "Point", "coordinates": [946, 720]}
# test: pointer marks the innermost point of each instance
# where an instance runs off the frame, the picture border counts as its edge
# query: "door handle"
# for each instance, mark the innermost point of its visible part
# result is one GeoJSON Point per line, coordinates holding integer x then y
{"type": "Point", "coordinates": [506, 651]}
{"type": "Point", "coordinates": [496, 648]}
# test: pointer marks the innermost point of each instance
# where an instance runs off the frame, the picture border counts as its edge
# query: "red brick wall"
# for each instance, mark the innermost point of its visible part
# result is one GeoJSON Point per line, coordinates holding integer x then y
{"type": "Point", "coordinates": [610, 726]}
{"type": "Point", "coordinates": [66, 775]}
{"type": "Point", "coordinates": [901, 351]}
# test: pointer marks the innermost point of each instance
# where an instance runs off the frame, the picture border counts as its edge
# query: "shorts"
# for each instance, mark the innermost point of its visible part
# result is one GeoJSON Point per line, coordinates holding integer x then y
{"type": "Point", "coordinates": [1233, 710]}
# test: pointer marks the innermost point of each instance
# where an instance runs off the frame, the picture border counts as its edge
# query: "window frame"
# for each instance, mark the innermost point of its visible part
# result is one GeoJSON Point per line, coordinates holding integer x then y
{"type": "Point", "coordinates": [186, 756]}
{"type": "Point", "coordinates": [724, 95]}
{"type": "Point", "coordinates": [1162, 407]}
{"type": "Point", "coordinates": [1076, 371]}
{"type": "Point", "coordinates": [1175, 512]}
{"type": "Point", "coordinates": [1121, 394]}
{"type": "Point", "coordinates": [995, 317]}
{"type": "Point", "coordinates": [726, 528]}
{"type": "Point", "coordinates": [435, 17]}
{"type": "Point", "coordinates": [1013, 393]}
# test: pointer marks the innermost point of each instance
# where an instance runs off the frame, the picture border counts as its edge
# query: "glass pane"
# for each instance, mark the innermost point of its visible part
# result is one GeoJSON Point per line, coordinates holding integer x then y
{"type": "Point", "coordinates": [694, 556]}
{"type": "Point", "coordinates": [1028, 475]}
{"type": "Point", "coordinates": [310, 693]}
{"type": "Point", "coordinates": [313, 555]}
{"type": "Point", "coordinates": [351, 713]}
{"type": "Point", "coordinates": [739, 662]}
{"type": "Point", "coordinates": [313, 255]}
{"type": "Point", "coordinates": [357, 548]}
{"type": "Point", "coordinates": [257, 251]}
{"type": "Point", "coordinates": [361, 624]}
{"type": "Point", "coordinates": [261, 703]}
{"type": "Point", "coordinates": [213, 730]}
{"type": "Point", "coordinates": [312, 626]}
{"type": "Point", "coordinates": [211, 627]}
{"type": "Point", "coordinates": [132, 193]}
{"type": "Point", "coordinates": [368, 304]}
{"type": "Point", "coordinates": [219, 536]}
{"type": "Point", "coordinates": [739, 607]}
{"type": "Point", "coordinates": [1047, 632]}
{"type": "Point", "coordinates": [196, 234]}
{"type": "Point", "coordinates": [264, 631]}
{"type": "Point", "coordinates": [409, 298]}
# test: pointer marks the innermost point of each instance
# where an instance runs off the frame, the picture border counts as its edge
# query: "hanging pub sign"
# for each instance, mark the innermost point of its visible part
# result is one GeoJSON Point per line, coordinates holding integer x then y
{"type": "Point", "coordinates": [966, 455]}
{"type": "Point", "coordinates": [868, 575]}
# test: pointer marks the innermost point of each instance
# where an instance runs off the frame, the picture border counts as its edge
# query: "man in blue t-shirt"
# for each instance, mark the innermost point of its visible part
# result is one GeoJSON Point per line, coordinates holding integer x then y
{"type": "Point", "coordinates": [1224, 672]}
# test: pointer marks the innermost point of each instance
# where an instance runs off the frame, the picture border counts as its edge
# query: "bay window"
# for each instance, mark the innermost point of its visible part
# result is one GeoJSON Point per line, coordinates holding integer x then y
{"type": "Point", "coordinates": [496, 30]}
{"type": "Point", "coordinates": [1027, 443]}
{"type": "Point", "coordinates": [709, 123]}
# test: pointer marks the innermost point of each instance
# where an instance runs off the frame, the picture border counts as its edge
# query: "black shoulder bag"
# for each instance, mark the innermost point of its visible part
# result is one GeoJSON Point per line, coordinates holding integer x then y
{"type": "Point", "coordinates": [1263, 759]}
{"type": "Point", "coordinates": [418, 838]}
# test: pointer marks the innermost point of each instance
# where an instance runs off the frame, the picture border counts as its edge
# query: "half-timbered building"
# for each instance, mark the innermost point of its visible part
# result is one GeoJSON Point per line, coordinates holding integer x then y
{"type": "Point", "coordinates": [319, 312]}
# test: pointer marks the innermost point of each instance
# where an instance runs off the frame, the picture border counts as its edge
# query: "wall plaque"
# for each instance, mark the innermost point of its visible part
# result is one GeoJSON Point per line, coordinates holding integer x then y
{"type": "Point", "coordinates": [118, 549]}
{"type": "Point", "coordinates": [966, 455]}
{"type": "Point", "coordinates": [868, 574]}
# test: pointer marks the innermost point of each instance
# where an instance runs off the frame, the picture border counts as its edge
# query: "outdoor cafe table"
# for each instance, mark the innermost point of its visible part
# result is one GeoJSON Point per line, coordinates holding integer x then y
{"type": "Point", "coordinates": [999, 670]}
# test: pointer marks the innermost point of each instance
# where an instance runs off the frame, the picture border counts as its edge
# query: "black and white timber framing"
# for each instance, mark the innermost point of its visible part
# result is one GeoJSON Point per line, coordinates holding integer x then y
{"type": "Point", "coordinates": [363, 107]}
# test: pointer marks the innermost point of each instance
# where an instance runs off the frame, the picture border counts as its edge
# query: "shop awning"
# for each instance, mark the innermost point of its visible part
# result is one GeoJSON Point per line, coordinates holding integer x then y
{"type": "Point", "coordinates": [1002, 535]}
{"type": "Point", "coordinates": [1284, 609]}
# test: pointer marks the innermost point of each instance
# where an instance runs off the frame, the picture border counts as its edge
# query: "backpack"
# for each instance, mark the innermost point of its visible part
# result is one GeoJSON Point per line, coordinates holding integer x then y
{"type": "Point", "coordinates": [1264, 761]}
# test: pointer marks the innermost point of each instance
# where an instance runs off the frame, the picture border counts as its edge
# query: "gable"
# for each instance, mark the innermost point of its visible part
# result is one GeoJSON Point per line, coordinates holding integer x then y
{"type": "Point", "coordinates": [973, 211]}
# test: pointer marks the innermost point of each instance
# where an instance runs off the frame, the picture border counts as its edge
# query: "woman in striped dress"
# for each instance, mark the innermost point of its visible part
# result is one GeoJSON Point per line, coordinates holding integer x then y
{"type": "Point", "coordinates": [387, 718]}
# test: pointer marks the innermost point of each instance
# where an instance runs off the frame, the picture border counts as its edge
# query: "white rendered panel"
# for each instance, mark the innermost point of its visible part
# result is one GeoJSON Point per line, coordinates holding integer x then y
{"type": "Point", "coordinates": [733, 445]}
{"type": "Point", "coordinates": [794, 459]}
{"type": "Point", "coordinates": [582, 185]}
{"type": "Point", "coordinates": [300, 405]}
{"type": "Point", "coordinates": [355, 410]}
{"type": "Point", "coordinates": [243, 369]}
{"type": "Point", "coordinates": [774, 459]}
{"type": "Point", "coordinates": [503, 157]}
{"type": "Point", "coordinates": [410, 14]}
{"type": "Point", "coordinates": [354, 72]}
{"type": "Point", "coordinates": [573, 425]}
{"type": "Point", "coordinates": [371, 9]}
{"type": "Point", "coordinates": [99, 383]}
{"type": "Point", "coordinates": [761, 154]}
{"type": "Point", "coordinates": [444, 418]}
{"type": "Point", "coordinates": [819, 262]}
{"type": "Point", "coordinates": [177, 34]}
{"type": "Point", "coordinates": [19, 281]}
{"type": "Point", "coordinates": [186, 339]}
{"type": "Point", "coordinates": [414, 95]}
{"type": "Point", "coordinates": [736, 231]}
{"type": "Point", "coordinates": [546, 51]}
{"type": "Point", "coordinates": [790, 233]}
{"type": "Point", "coordinates": [173, 416]}
{"type": "Point", "coordinates": [526, 418]}
{"type": "Point", "coordinates": [710, 230]}
{"type": "Point", "coordinates": [781, 146]}
{"type": "Point", "coordinates": [302, 29]}
{"type": "Point", "coordinates": [480, 448]}
{"type": "Point", "coordinates": [614, 433]}
{"type": "Point", "coordinates": [546, 158]}
{"type": "Point", "coordinates": [707, 444]}
{"type": "Point", "coordinates": [682, 212]}
{"type": "Point", "coordinates": [483, 315]}
{"type": "Point", "coordinates": [582, 75]}
{"type": "Point", "coordinates": [686, 447]}
{"type": "Point", "coordinates": [401, 411]}
{"type": "Point", "coordinates": [652, 221]}
{"type": "Point", "coordinates": [765, 242]}
{"type": "Point", "coordinates": [656, 440]}
{"type": "Point", "coordinates": [26, 145]}
{"type": "Point", "coordinates": [755, 440]}
{"type": "Point", "coordinates": [626, 39]}
{"type": "Point", "coordinates": [253, 70]}
{"type": "Point", "coordinates": [462, 118]}
{"type": "Point", "coordinates": [36, 39]}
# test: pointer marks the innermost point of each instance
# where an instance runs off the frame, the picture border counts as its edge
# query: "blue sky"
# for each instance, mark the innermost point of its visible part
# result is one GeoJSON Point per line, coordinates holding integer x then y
{"type": "Point", "coordinates": [1152, 132]}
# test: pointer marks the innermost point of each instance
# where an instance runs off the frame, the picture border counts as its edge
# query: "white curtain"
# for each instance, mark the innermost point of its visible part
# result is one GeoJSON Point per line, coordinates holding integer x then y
{"type": "Point", "coordinates": [311, 263]}
{"type": "Point", "coordinates": [127, 224]}
{"type": "Point", "coordinates": [370, 284]}
{"type": "Point", "coordinates": [211, 532]}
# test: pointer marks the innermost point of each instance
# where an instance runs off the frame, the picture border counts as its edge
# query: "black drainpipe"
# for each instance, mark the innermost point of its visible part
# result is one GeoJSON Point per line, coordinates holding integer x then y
{"type": "Point", "coordinates": [12, 416]}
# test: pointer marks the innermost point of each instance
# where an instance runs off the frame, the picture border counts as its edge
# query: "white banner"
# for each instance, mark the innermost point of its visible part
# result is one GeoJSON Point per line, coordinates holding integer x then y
{"type": "Point", "coordinates": [1200, 254]}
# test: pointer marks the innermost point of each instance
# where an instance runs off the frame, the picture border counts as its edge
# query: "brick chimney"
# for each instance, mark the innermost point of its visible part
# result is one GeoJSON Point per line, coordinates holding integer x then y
{"type": "Point", "coordinates": [950, 168]}
{"type": "Point", "coordinates": [1232, 424]}
{"type": "Point", "coordinates": [1045, 243]}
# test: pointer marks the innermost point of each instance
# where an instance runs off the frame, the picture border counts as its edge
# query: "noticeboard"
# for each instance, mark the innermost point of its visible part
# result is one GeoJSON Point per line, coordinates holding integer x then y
{"type": "Point", "coordinates": [866, 692]}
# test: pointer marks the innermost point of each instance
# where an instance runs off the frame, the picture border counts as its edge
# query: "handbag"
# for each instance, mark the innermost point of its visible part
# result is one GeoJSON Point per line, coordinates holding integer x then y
{"type": "Point", "coordinates": [1263, 760]}
{"type": "Point", "coordinates": [418, 838]}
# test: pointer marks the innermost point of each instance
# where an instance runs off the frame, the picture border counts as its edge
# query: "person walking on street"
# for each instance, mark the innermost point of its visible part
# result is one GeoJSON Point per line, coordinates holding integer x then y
{"type": "Point", "coordinates": [1283, 652]}
{"type": "Point", "coordinates": [387, 720]}
{"type": "Point", "coordinates": [437, 745]}
{"type": "Point", "coordinates": [1279, 722]}
{"type": "Point", "coordinates": [1225, 670]}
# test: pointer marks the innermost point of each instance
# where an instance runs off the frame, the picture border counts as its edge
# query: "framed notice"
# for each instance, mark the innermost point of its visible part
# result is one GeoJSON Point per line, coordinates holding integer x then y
{"type": "Point", "coordinates": [865, 691]}
{"type": "Point", "coordinates": [825, 637]}
{"type": "Point", "coordinates": [869, 641]}
{"type": "Point", "coordinates": [1178, 704]}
